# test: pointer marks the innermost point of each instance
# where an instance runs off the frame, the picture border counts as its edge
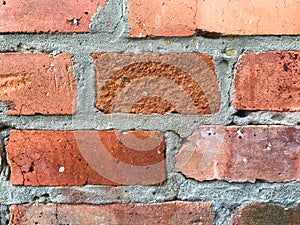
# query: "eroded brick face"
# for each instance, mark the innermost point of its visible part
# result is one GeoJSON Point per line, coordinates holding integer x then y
{"type": "Point", "coordinates": [183, 83]}
{"type": "Point", "coordinates": [122, 214]}
{"type": "Point", "coordinates": [258, 214]}
{"type": "Point", "coordinates": [214, 17]}
{"type": "Point", "coordinates": [37, 83]}
{"type": "Point", "coordinates": [268, 81]}
{"type": "Point", "coordinates": [34, 16]}
{"type": "Point", "coordinates": [75, 158]}
{"type": "Point", "coordinates": [241, 154]}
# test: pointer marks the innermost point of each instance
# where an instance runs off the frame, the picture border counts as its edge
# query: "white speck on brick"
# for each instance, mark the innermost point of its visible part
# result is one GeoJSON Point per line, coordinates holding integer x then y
{"type": "Point", "coordinates": [61, 169]}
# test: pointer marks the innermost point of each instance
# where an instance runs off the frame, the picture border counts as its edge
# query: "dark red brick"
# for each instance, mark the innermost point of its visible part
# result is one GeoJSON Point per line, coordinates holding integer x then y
{"type": "Point", "coordinates": [268, 81]}
{"type": "Point", "coordinates": [261, 214]}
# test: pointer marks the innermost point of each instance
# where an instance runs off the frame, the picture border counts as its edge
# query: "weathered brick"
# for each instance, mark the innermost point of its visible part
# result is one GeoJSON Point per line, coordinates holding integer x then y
{"type": "Point", "coordinates": [47, 16]}
{"type": "Point", "coordinates": [261, 214]}
{"type": "Point", "coordinates": [214, 17]}
{"type": "Point", "coordinates": [240, 154]}
{"type": "Point", "coordinates": [172, 213]}
{"type": "Point", "coordinates": [268, 81]}
{"type": "Point", "coordinates": [37, 83]}
{"type": "Point", "coordinates": [65, 158]}
{"type": "Point", "coordinates": [185, 83]}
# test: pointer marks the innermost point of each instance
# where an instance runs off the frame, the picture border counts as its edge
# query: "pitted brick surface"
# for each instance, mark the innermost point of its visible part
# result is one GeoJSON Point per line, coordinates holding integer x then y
{"type": "Point", "coordinates": [185, 83]}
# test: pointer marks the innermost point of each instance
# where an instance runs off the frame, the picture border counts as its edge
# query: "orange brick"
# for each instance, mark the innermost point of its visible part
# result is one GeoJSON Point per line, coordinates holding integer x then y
{"type": "Point", "coordinates": [185, 18]}
{"type": "Point", "coordinates": [241, 154]}
{"type": "Point", "coordinates": [37, 83]}
{"type": "Point", "coordinates": [183, 83]}
{"type": "Point", "coordinates": [75, 158]}
{"type": "Point", "coordinates": [171, 213]}
{"type": "Point", "coordinates": [34, 16]}
{"type": "Point", "coordinates": [268, 81]}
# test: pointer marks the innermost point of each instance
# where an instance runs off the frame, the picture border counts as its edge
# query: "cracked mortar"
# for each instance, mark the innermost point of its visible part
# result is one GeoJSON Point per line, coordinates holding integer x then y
{"type": "Point", "coordinates": [110, 35]}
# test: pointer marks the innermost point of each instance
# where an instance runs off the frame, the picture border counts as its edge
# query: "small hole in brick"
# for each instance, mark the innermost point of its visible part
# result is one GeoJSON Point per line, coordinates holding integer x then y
{"type": "Point", "coordinates": [86, 13]}
{"type": "Point", "coordinates": [4, 3]}
{"type": "Point", "coordinates": [242, 113]}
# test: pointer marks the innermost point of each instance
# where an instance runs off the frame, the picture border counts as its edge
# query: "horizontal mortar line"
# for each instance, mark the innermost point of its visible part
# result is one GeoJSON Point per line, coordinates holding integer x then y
{"type": "Point", "coordinates": [94, 42]}
{"type": "Point", "coordinates": [136, 124]}
{"type": "Point", "coordinates": [107, 122]}
{"type": "Point", "coordinates": [95, 190]}
{"type": "Point", "coordinates": [112, 34]}
{"type": "Point", "coordinates": [209, 49]}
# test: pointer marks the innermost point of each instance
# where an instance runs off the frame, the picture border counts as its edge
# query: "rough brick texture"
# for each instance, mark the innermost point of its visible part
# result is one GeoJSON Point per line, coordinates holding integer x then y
{"type": "Point", "coordinates": [214, 17]}
{"type": "Point", "coordinates": [65, 158]}
{"type": "Point", "coordinates": [153, 83]}
{"type": "Point", "coordinates": [268, 81]}
{"type": "Point", "coordinates": [257, 214]}
{"type": "Point", "coordinates": [34, 16]}
{"type": "Point", "coordinates": [37, 83]}
{"type": "Point", "coordinates": [240, 154]}
{"type": "Point", "coordinates": [172, 213]}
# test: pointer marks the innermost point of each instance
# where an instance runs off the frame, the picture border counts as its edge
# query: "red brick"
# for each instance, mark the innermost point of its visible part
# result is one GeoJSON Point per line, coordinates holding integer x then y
{"type": "Point", "coordinates": [37, 83]}
{"type": "Point", "coordinates": [65, 158]}
{"type": "Point", "coordinates": [240, 154]}
{"type": "Point", "coordinates": [47, 16]}
{"type": "Point", "coordinates": [268, 81]}
{"type": "Point", "coordinates": [185, 18]}
{"type": "Point", "coordinates": [184, 83]}
{"type": "Point", "coordinates": [172, 213]}
{"type": "Point", "coordinates": [258, 214]}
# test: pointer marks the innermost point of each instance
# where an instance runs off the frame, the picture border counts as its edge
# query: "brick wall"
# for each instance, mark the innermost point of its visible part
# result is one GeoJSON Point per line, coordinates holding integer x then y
{"type": "Point", "coordinates": [150, 112]}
